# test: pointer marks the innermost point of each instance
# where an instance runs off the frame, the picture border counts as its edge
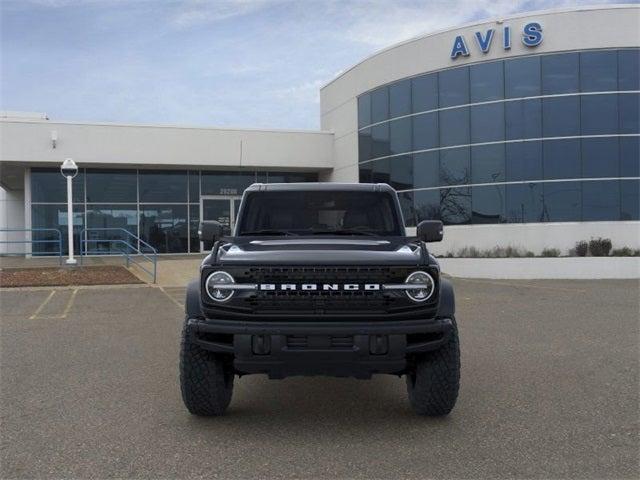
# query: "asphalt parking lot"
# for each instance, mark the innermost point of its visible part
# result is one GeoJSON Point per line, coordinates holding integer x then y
{"type": "Point", "coordinates": [89, 389]}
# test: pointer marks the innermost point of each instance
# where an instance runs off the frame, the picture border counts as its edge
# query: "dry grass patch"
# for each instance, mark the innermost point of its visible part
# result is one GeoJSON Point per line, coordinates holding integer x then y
{"type": "Point", "coordinates": [59, 276]}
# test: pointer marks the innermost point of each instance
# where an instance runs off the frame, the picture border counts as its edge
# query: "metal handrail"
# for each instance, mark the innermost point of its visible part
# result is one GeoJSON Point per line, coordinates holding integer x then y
{"type": "Point", "coordinates": [151, 256]}
{"type": "Point", "coordinates": [32, 241]}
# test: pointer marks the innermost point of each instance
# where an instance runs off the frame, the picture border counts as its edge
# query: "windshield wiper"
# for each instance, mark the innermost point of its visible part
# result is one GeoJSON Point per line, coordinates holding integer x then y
{"type": "Point", "coordinates": [343, 231]}
{"type": "Point", "coordinates": [268, 232]}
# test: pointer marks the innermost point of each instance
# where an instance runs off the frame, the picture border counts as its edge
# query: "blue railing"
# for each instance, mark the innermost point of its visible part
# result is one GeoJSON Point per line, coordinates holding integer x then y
{"type": "Point", "coordinates": [130, 246]}
{"type": "Point", "coordinates": [57, 241]}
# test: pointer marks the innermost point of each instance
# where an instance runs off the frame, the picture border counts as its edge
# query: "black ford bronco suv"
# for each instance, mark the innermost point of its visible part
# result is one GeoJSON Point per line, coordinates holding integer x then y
{"type": "Point", "coordinates": [320, 279]}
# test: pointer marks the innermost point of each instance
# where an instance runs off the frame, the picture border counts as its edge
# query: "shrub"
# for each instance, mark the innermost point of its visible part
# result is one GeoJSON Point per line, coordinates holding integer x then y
{"type": "Point", "coordinates": [625, 252]}
{"type": "Point", "coordinates": [550, 252]}
{"type": "Point", "coordinates": [600, 247]}
{"type": "Point", "coordinates": [581, 248]}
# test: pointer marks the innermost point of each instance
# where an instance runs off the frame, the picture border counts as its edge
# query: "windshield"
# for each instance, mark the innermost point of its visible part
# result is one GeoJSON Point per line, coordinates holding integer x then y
{"type": "Point", "coordinates": [319, 213]}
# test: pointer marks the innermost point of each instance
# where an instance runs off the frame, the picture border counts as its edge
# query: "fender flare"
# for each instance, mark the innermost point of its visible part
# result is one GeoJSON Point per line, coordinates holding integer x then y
{"type": "Point", "coordinates": [192, 301]}
{"type": "Point", "coordinates": [447, 304]}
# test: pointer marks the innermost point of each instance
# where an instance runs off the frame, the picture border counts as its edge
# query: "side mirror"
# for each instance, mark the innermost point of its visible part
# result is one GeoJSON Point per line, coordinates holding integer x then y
{"type": "Point", "coordinates": [210, 232]}
{"type": "Point", "coordinates": [430, 231]}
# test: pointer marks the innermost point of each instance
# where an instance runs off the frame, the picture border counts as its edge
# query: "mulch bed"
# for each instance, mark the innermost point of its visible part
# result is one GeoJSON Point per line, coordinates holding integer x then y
{"type": "Point", "coordinates": [56, 276]}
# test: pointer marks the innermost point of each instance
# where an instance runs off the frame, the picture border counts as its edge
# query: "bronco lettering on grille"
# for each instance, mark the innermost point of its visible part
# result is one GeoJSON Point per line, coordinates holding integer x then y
{"type": "Point", "coordinates": [316, 286]}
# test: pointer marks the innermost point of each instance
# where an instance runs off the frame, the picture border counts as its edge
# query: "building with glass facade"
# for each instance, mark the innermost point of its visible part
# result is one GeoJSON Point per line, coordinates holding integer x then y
{"type": "Point", "coordinates": [521, 131]}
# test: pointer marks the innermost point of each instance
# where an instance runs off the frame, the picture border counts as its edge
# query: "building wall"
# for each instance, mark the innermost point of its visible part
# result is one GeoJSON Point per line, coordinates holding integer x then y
{"type": "Point", "coordinates": [565, 31]}
{"type": "Point", "coordinates": [11, 217]}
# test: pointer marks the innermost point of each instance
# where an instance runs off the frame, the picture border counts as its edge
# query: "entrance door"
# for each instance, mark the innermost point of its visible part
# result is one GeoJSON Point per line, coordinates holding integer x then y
{"type": "Point", "coordinates": [220, 209]}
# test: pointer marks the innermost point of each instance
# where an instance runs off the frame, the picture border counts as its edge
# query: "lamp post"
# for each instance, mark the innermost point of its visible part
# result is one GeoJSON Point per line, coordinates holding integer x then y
{"type": "Point", "coordinates": [69, 169]}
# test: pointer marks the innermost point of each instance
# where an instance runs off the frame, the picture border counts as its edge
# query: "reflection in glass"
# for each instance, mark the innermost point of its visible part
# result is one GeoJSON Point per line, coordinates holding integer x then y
{"type": "Point", "coordinates": [562, 202]}
{"type": "Point", "coordinates": [401, 172]}
{"type": "Point", "coordinates": [406, 205]}
{"type": "Point", "coordinates": [488, 204]}
{"type": "Point", "coordinates": [522, 77]}
{"type": "Point", "coordinates": [118, 186]}
{"type": "Point", "coordinates": [400, 99]}
{"type": "Point", "coordinates": [380, 141]}
{"type": "Point", "coordinates": [599, 114]}
{"type": "Point", "coordinates": [380, 171]}
{"type": "Point", "coordinates": [364, 145]}
{"type": "Point", "coordinates": [424, 93]}
{"type": "Point", "coordinates": [454, 127]}
{"type": "Point", "coordinates": [194, 186]}
{"type": "Point", "coordinates": [454, 166]}
{"type": "Point", "coordinates": [487, 81]}
{"type": "Point", "coordinates": [629, 69]}
{"type": "Point", "coordinates": [55, 216]}
{"type": "Point", "coordinates": [163, 186]}
{"type": "Point", "coordinates": [600, 157]}
{"type": "Point", "coordinates": [523, 119]}
{"type": "Point", "coordinates": [599, 71]}
{"type": "Point", "coordinates": [400, 135]}
{"type": "Point", "coordinates": [487, 123]}
{"type": "Point", "coordinates": [425, 131]}
{"type": "Point", "coordinates": [364, 110]}
{"type": "Point", "coordinates": [561, 159]}
{"type": "Point", "coordinates": [165, 227]}
{"type": "Point", "coordinates": [365, 172]}
{"type": "Point", "coordinates": [114, 218]}
{"type": "Point", "coordinates": [487, 164]}
{"type": "Point", "coordinates": [630, 157]}
{"type": "Point", "coordinates": [194, 223]}
{"type": "Point", "coordinates": [561, 116]}
{"type": "Point", "coordinates": [523, 161]}
{"type": "Point", "coordinates": [453, 87]}
{"type": "Point", "coordinates": [226, 183]}
{"type": "Point", "coordinates": [426, 169]}
{"type": "Point", "coordinates": [600, 200]}
{"type": "Point", "coordinates": [560, 73]}
{"type": "Point", "coordinates": [629, 113]}
{"type": "Point", "coordinates": [379, 104]}
{"type": "Point", "coordinates": [455, 205]}
{"type": "Point", "coordinates": [49, 186]}
{"type": "Point", "coordinates": [426, 205]}
{"type": "Point", "coordinates": [524, 203]}
{"type": "Point", "coordinates": [630, 200]}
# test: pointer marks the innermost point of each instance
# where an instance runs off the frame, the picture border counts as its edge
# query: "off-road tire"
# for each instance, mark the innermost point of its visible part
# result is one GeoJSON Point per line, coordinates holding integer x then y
{"type": "Point", "coordinates": [434, 380]}
{"type": "Point", "coordinates": [206, 379]}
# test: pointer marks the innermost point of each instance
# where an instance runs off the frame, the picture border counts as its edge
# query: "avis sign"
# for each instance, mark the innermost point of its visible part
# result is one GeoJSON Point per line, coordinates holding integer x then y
{"type": "Point", "coordinates": [531, 37]}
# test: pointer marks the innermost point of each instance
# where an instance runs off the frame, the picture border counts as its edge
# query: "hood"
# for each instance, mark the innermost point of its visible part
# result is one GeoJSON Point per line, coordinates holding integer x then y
{"type": "Point", "coordinates": [318, 251]}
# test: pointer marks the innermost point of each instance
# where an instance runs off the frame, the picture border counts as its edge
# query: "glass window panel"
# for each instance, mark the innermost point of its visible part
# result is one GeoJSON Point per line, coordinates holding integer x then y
{"type": "Point", "coordinates": [49, 186]}
{"type": "Point", "coordinates": [600, 200]}
{"type": "Point", "coordinates": [400, 98]}
{"type": "Point", "coordinates": [523, 161]}
{"type": "Point", "coordinates": [454, 127]}
{"type": "Point", "coordinates": [365, 172]}
{"type": "Point", "coordinates": [629, 113]}
{"type": "Point", "coordinates": [630, 200]}
{"type": "Point", "coordinates": [561, 159]}
{"type": "Point", "coordinates": [487, 123]}
{"type": "Point", "coordinates": [629, 69]}
{"type": "Point", "coordinates": [291, 177]}
{"type": "Point", "coordinates": [401, 175]}
{"type": "Point", "coordinates": [380, 141]}
{"type": "Point", "coordinates": [522, 77]}
{"type": "Point", "coordinates": [117, 186]}
{"type": "Point", "coordinates": [424, 93]}
{"type": "Point", "coordinates": [455, 166]}
{"type": "Point", "coordinates": [488, 204]}
{"type": "Point", "coordinates": [165, 227]}
{"type": "Point", "coordinates": [562, 201]}
{"type": "Point", "coordinates": [560, 73]}
{"type": "Point", "coordinates": [380, 104]}
{"type": "Point", "coordinates": [380, 171]}
{"type": "Point", "coordinates": [262, 177]}
{"type": "Point", "coordinates": [115, 218]}
{"type": "Point", "coordinates": [630, 156]}
{"type": "Point", "coordinates": [426, 169]}
{"type": "Point", "coordinates": [487, 81]}
{"type": "Point", "coordinates": [487, 164]}
{"type": "Point", "coordinates": [524, 203]}
{"type": "Point", "coordinates": [53, 216]}
{"type": "Point", "coordinates": [406, 205]}
{"type": "Point", "coordinates": [364, 110]}
{"type": "Point", "coordinates": [599, 71]}
{"type": "Point", "coordinates": [365, 147]}
{"type": "Point", "coordinates": [426, 204]}
{"type": "Point", "coordinates": [425, 131]}
{"type": "Point", "coordinates": [455, 205]}
{"type": "Point", "coordinates": [523, 119]}
{"type": "Point", "coordinates": [453, 86]}
{"type": "Point", "coordinates": [561, 117]}
{"type": "Point", "coordinates": [163, 186]}
{"type": "Point", "coordinates": [599, 114]}
{"type": "Point", "coordinates": [226, 183]}
{"type": "Point", "coordinates": [194, 223]}
{"type": "Point", "coordinates": [600, 157]}
{"type": "Point", "coordinates": [194, 186]}
{"type": "Point", "coordinates": [400, 135]}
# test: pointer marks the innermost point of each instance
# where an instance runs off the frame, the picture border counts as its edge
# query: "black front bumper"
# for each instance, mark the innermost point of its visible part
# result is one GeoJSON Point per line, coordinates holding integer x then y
{"type": "Point", "coordinates": [343, 349]}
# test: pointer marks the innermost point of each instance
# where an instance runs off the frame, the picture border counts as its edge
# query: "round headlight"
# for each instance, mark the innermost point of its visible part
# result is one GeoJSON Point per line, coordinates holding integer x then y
{"type": "Point", "coordinates": [219, 279]}
{"type": "Point", "coordinates": [420, 294]}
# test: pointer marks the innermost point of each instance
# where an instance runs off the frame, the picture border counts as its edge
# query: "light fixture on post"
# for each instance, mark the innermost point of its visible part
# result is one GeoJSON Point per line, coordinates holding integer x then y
{"type": "Point", "coordinates": [69, 169]}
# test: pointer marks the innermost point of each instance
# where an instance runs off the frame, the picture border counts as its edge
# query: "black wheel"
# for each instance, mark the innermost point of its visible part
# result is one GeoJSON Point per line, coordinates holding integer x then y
{"type": "Point", "coordinates": [434, 381]}
{"type": "Point", "coordinates": [206, 380]}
